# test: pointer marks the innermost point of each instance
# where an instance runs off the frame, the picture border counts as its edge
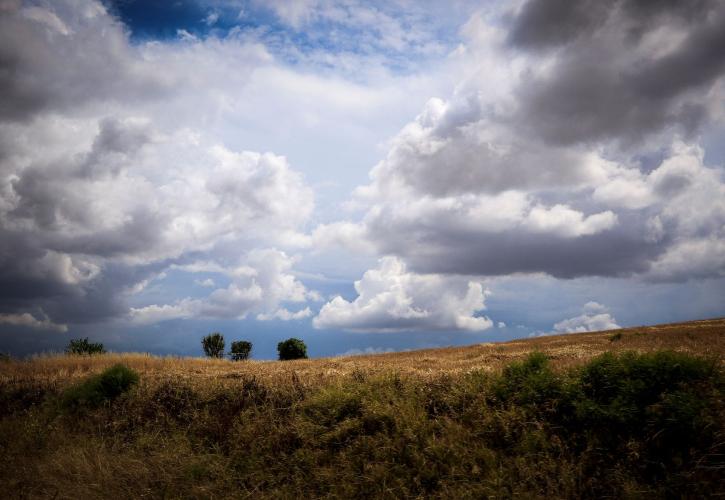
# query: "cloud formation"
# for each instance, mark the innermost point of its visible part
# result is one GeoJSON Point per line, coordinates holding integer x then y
{"type": "Point", "coordinates": [493, 182]}
{"type": "Point", "coordinates": [594, 318]}
{"type": "Point", "coordinates": [391, 299]}
{"type": "Point", "coordinates": [99, 192]}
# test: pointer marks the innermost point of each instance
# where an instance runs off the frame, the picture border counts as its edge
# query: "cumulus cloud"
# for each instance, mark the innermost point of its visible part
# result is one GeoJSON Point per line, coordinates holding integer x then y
{"type": "Point", "coordinates": [594, 318]}
{"type": "Point", "coordinates": [27, 320]}
{"type": "Point", "coordinates": [260, 284]}
{"type": "Point", "coordinates": [367, 351]}
{"type": "Point", "coordinates": [390, 298]}
{"type": "Point", "coordinates": [475, 186]}
{"type": "Point", "coordinates": [101, 190]}
{"type": "Point", "coordinates": [663, 59]}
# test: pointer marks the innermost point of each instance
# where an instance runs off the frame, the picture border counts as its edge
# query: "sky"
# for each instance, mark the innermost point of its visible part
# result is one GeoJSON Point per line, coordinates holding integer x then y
{"type": "Point", "coordinates": [366, 176]}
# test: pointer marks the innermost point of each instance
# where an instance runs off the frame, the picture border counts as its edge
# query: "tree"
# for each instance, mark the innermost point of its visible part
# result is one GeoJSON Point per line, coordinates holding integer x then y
{"type": "Point", "coordinates": [292, 349]}
{"type": "Point", "coordinates": [213, 345]}
{"type": "Point", "coordinates": [240, 350]}
{"type": "Point", "coordinates": [83, 346]}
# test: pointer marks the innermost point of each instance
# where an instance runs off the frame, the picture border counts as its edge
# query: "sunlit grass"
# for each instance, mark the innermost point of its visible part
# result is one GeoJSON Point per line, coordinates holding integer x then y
{"type": "Point", "coordinates": [489, 420]}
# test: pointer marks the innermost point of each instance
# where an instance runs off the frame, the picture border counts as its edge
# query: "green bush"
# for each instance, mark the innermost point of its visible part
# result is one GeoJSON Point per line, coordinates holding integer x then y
{"type": "Point", "coordinates": [292, 349]}
{"type": "Point", "coordinates": [240, 350]}
{"type": "Point", "coordinates": [100, 388]}
{"type": "Point", "coordinates": [213, 345]}
{"type": "Point", "coordinates": [83, 346]}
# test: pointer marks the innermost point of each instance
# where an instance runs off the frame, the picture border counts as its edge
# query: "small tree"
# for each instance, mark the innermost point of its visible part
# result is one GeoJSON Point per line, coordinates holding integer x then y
{"type": "Point", "coordinates": [213, 345]}
{"type": "Point", "coordinates": [292, 349]}
{"type": "Point", "coordinates": [83, 346]}
{"type": "Point", "coordinates": [240, 350]}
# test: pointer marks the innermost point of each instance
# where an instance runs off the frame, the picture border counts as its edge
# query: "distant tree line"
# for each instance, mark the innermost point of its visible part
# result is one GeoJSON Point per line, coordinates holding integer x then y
{"type": "Point", "coordinates": [212, 344]}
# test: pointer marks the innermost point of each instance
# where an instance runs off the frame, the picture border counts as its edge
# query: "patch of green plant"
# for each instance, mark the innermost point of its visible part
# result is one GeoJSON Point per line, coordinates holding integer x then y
{"type": "Point", "coordinates": [292, 348]}
{"type": "Point", "coordinates": [213, 345]}
{"type": "Point", "coordinates": [615, 337]}
{"type": "Point", "coordinates": [84, 346]}
{"type": "Point", "coordinates": [100, 388]}
{"type": "Point", "coordinates": [240, 350]}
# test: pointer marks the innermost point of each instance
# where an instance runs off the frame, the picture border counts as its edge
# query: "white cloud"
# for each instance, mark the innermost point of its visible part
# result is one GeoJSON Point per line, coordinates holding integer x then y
{"type": "Point", "coordinates": [259, 286]}
{"type": "Point", "coordinates": [27, 320]}
{"type": "Point", "coordinates": [390, 298]}
{"type": "Point", "coordinates": [594, 318]}
{"type": "Point", "coordinates": [366, 351]}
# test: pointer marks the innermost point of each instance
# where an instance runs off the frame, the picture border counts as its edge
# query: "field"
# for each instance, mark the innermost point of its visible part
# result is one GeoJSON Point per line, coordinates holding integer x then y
{"type": "Point", "coordinates": [489, 420]}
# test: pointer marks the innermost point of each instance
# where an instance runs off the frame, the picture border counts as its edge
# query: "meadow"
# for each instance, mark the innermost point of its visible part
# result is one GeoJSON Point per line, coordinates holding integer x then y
{"type": "Point", "coordinates": [632, 413]}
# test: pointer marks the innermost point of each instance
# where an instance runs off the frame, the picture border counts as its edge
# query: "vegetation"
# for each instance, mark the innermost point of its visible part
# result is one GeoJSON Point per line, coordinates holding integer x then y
{"type": "Point", "coordinates": [213, 345]}
{"type": "Point", "coordinates": [83, 347]}
{"type": "Point", "coordinates": [101, 388]}
{"type": "Point", "coordinates": [582, 418]}
{"type": "Point", "coordinates": [240, 350]}
{"type": "Point", "coordinates": [291, 348]}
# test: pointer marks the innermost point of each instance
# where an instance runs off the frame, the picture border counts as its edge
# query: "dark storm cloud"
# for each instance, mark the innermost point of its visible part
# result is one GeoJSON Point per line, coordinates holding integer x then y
{"type": "Point", "coordinates": [610, 78]}
{"type": "Point", "coordinates": [617, 252]}
{"type": "Point", "coordinates": [44, 67]}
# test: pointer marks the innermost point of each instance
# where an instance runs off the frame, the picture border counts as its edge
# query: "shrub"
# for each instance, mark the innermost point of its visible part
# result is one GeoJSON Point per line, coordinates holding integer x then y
{"type": "Point", "coordinates": [615, 337]}
{"type": "Point", "coordinates": [240, 350]}
{"type": "Point", "coordinates": [98, 389]}
{"type": "Point", "coordinates": [213, 345]}
{"type": "Point", "coordinates": [83, 346]}
{"type": "Point", "coordinates": [292, 349]}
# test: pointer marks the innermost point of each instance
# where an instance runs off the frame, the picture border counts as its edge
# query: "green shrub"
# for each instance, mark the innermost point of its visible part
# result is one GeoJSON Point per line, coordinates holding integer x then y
{"type": "Point", "coordinates": [240, 350]}
{"type": "Point", "coordinates": [83, 346]}
{"type": "Point", "coordinates": [100, 388]}
{"type": "Point", "coordinates": [530, 383]}
{"type": "Point", "coordinates": [615, 337]}
{"type": "Point", "coordinates": [292, 349]}
{"type": "Point", "coordinates": [213, 345]}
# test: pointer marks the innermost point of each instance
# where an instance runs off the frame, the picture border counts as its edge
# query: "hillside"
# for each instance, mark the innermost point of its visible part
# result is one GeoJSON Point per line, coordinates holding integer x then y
{"type": "Point", "coordinates": [482, 420]}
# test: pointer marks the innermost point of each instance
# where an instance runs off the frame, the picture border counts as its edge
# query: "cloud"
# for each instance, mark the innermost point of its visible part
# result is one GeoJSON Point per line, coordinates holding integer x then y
{"type": "Point", "coordinates": [468, 187]}
{"type": "Point", "coordinates": [45, 71]}
{"type": "Point", "coordinates": [366, 351]}
{"type": "Point", "coordinates": [126, 183]}
{"type": "Point", "coordinates": [259, 284]}
{"type": "Point", "coordinates": [27, 320]}
{"type": "Point", "coordinates": [663, 59]}
{"type": "Point", "coordinates": [392, 299]}
{"type": "Point", "coordinates": [595, 318]}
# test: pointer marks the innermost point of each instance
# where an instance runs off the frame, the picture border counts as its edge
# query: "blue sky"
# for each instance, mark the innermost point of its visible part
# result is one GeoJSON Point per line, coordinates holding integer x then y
{"type": "Point", "coordinates": [367, 176]}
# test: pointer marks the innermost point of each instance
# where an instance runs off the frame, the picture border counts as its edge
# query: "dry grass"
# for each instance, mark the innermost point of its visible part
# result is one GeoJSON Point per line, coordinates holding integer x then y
{"type": "Point", "coordinates": [418, 424]}
{"type": "Point", "coordinates": [704, 337]}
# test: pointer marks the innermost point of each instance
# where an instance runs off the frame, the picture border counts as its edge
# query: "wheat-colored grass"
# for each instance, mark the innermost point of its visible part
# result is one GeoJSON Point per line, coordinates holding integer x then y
{"type": "Point", "coordinates": [262, 429]}
{"type": "Point", "coordinates": [704, 337]}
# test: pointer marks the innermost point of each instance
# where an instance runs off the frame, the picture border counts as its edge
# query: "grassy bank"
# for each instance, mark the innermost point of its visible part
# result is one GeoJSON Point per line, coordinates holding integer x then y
{"type": "Point", "coordinates": [637, 421]}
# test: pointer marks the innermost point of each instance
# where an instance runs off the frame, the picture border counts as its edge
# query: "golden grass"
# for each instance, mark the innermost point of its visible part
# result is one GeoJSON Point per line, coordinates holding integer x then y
{"type": "Point", "coordinates": [704, 337]}
{"type": "Point", "coordinates": [372, 425]}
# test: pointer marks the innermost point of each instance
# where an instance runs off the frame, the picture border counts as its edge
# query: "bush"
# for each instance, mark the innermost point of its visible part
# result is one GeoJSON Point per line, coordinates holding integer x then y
{"type": "Point", "coordinates": [240, 350]}
{"type": "Point", "coordinates": [213, 345]}
{"type": "Point", "coordinates": [98, 389]}
{"type": "Point", "coordinates": [615, 337]}
{"type": "Point", "coordinates": [292, 349]}
{"type": "Point", "coordinates": [83, 346]}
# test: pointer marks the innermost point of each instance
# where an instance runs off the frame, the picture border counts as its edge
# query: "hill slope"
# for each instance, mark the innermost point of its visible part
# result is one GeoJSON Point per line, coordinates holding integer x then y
{"type": "Point", "coordinates": [644, 418]}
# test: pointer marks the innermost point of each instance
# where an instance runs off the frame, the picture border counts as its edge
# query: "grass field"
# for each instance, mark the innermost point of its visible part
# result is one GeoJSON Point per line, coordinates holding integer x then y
{"type": "Point", "coordinates": [489, 420]}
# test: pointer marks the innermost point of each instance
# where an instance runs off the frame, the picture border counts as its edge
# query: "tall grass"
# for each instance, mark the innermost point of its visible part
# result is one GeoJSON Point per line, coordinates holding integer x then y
{"type": "Point", "coordinates": [626, 424]}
